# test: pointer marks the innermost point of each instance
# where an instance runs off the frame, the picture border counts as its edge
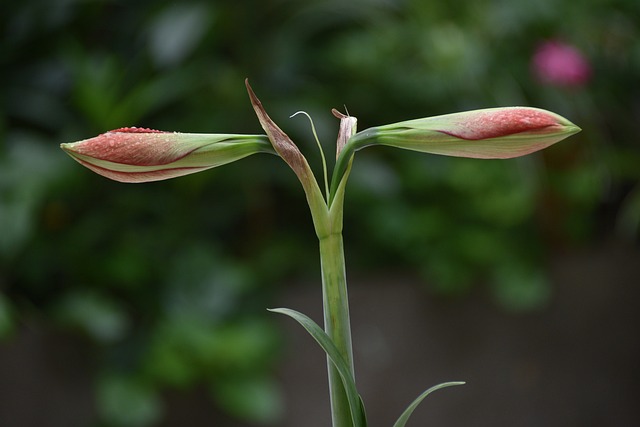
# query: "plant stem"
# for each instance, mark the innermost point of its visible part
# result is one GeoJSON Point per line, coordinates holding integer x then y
{"type": "Point", "coordinates": [334, 282]}
{"type": "Point", "coordinates": [327, 219]}
{"type": "Point", "coordinates": [336, 320]}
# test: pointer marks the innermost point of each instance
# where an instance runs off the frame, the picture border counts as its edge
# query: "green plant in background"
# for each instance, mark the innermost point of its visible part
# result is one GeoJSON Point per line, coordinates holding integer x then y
{"type": "Point", "coordinates": [69, 242]}
{"type": "Point", "coordinates": [142, 155]}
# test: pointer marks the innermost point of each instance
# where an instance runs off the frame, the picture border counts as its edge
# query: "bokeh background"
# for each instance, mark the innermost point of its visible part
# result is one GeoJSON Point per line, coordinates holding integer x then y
{"type": "Point", "coordinates": [144, 305]}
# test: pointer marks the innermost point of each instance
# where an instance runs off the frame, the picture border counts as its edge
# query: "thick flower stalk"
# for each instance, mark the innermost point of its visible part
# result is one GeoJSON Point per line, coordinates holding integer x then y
{"type": "Point", "coordinates": [142, 155]}
{"type": "Point", "coordinates": [328, 226]}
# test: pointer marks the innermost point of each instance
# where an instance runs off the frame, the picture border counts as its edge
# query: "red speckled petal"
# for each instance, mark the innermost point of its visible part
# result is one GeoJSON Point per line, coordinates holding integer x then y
{"type": "Point", "coordinates": [495, 124]}
{"type": "Point", "coordinates": [134, 147]}
{"type": "Point", "coordinates": [134, 129]}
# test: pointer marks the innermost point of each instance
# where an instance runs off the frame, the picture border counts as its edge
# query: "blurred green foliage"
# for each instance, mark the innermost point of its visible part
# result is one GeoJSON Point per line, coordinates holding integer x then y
{"type": "Point", "coordinates": [170, 279]}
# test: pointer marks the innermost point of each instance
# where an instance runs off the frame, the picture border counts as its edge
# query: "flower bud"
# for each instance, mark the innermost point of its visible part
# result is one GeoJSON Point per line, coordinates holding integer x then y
{"type": "Point", "coordinates": [494, 133]}
{"type": "Point", "coordinates": [142, 155]}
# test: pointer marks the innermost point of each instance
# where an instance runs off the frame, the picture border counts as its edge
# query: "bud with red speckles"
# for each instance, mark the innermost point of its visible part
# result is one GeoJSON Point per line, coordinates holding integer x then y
{"type": "Point", "coordinates": [494, 133]}
{"type": "Point", "coordinates": [142, 155]}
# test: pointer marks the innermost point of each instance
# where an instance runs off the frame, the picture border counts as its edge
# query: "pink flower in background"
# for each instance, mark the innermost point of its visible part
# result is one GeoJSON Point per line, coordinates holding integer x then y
{"type": "Point", "coordinates": [560, 64]}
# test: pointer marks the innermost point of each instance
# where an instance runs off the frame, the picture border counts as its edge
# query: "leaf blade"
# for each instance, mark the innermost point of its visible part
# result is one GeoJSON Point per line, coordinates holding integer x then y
{"type": "Point", "coordinates": [321, 337]}
{"type": "Point", "coordinates": [404, 417]}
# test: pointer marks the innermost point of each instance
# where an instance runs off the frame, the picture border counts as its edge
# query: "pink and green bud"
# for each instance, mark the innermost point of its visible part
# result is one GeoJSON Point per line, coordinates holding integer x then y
{"type": "Point", "coordinates": [143, 155]}
{"type": "Point", "coordinates": [494, 133]}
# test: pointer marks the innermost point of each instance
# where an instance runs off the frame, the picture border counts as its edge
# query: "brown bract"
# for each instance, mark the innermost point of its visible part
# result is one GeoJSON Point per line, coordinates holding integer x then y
{"type": "Point", "coordinates": [281, 142]}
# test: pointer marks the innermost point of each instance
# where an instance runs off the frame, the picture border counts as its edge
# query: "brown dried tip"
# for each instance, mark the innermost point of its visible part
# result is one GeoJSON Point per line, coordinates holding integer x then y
{"type": "Point", "coordinates": [281, 142]}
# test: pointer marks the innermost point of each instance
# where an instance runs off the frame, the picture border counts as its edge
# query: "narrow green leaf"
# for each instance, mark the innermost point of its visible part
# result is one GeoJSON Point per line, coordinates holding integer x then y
{"type": "Point", "coordinates": [321, 337]}
{"type": "Point", "coordinates": [402, 421]}
{"type": "Point", "coordinates": [363, 413]}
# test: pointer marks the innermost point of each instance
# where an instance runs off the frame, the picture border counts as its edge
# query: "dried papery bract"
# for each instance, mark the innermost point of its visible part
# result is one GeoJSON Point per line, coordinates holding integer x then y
{"type": "Point", "coordinates": [348, 126]}
{"type": "Point", "coordinates": [136, 155]}
{"type": "Point", "coordinates": [281, 142]}
{"type": "Point", "coordinates": [292, 155]}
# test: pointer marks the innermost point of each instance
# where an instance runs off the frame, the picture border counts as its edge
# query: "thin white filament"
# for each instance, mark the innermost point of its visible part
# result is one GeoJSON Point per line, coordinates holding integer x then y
{"type": "Point", "coordinates": [324, 161]}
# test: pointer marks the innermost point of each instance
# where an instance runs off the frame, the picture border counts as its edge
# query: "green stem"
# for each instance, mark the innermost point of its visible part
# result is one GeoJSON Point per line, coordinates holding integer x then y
{"type": "Point", "coordinates": [327, 218]}
{"type": "Point", "coordinates": [336, 319]}
{"type": "Point", "coordinates": [334, 290]}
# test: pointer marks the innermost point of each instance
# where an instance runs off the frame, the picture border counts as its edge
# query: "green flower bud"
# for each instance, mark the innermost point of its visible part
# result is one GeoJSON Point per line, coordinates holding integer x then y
{"type": "Point", "coordinates": [494, 133]}
{"type": "Point", "coordinates": [143, 155]}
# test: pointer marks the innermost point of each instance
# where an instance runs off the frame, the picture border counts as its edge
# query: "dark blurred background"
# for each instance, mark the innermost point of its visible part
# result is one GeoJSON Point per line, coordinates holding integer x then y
{"type": "Point", "coordinates": [144, 305]}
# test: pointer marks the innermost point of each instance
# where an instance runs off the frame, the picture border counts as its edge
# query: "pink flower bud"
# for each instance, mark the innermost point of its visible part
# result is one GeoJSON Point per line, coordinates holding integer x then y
{"type": "Point", "coordinates": [560, 64]}
{"type": "Point", "coordinates": [142, 155]}
{"type": "Point", "coordinates": [494, 133]}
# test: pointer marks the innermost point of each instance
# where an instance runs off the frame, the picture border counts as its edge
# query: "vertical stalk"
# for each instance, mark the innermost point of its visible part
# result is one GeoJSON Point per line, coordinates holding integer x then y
{"type": "Point", "coordinates": [334, 281]}
{"type": "Point", "coordinates": [336, 320]}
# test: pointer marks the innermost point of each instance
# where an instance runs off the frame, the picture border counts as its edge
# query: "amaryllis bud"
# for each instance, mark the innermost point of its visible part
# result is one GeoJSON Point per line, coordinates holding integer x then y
{"type": "Point", "coordinates": [142, 155]}
{"type": "Point", "coordinates": [494, 133]}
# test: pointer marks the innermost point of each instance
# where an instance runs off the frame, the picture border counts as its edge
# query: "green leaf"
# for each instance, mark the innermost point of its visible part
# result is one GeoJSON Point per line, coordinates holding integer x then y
{"type": "Point", "coordinates": [253, 398]}
{"type": "Point", "coordinates": [321, 337]}
{"type": "Point", "coordinates": [6, 317]}
{"type": "Point", "coordinates": [100, 316]}
{"type": "Point", "coordinates": [402, 421]}
{"type": "Point", "coordinates": [363, 412]}
{"type": "Point", "coordinates": [123, 401]}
